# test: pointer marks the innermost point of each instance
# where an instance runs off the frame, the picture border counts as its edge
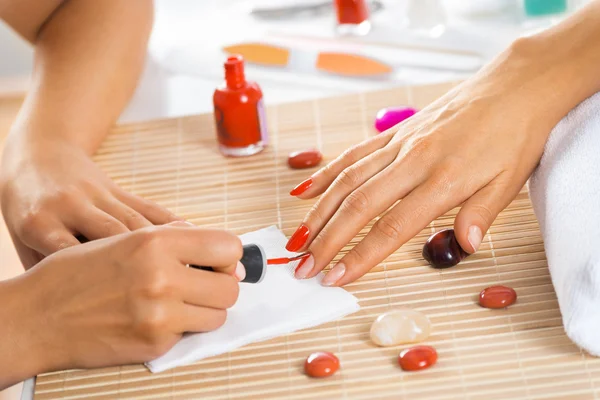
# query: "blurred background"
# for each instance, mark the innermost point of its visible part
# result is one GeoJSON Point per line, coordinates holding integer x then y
{"type": "Point", "coordinates": [298, 50]}
{"type": "Point", "coordinates": [447, 40]}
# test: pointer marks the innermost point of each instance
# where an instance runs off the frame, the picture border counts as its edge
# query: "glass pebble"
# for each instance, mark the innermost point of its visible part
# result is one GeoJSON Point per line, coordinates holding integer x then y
{"type": "Point", "coordinates": [321, 364]}
{"type": "Point", "coordinates": [442, 249]}
{"type": "Point", "coordinates": [497, 297]}
{"type": "Point", "coordinates": [387, 118]}
{"type": "Point", "coordinates": [400, 326]}
{"type": "Point", "coordinates": [304, 159]}
{"type": "Point", "coordinates": [417, 358]}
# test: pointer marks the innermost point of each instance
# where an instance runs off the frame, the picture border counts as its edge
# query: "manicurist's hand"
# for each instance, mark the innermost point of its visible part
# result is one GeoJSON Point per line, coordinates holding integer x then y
{"type": "Point", "coordinates": [475, 147]}
{"type": "Point", "coordinates": [121, 300]}
{"type": "Point", "coordinates": [52, 191]}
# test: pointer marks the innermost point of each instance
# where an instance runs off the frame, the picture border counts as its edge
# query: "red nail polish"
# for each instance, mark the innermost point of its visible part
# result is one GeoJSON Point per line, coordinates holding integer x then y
{"type": "Point", "coordinates": [239, 112]}
{"type": "Point", "coordinates": [301, 188]}
{"type": "Point", "coordinates": [302, 261]}
{"type": "Point", "coordinates": [298, 239]}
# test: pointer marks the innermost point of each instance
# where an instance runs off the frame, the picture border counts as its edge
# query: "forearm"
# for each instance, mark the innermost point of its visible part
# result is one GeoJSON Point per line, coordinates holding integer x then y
{"type": "Point", "coordinates": [549, 73]}
{"type": "Point", "coordinates": [88, 57]}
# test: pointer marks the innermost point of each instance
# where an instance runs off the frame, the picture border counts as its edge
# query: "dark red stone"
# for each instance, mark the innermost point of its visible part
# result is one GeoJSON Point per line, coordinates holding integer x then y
{"type": "Point", "coordinates": [321, 364]}
{"type": "Point", "coordinates": [417, 358]}
{"type": "Point", "coordinates": [442, 250]}
{"type": "Point", "coordinates": [304, 159]}
{"type": "Point", "coordinates": [497, 297]}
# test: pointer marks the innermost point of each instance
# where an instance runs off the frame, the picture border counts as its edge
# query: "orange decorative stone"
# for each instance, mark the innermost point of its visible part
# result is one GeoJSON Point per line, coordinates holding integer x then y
{"type": "Point", "coordinates": [497, 297]}
{"type": "Point", "coordinates": [321, 364]}
{"type": "Point", "coordinates": [417, 358]}
{"type": "Point", "coordinates": [304, 159]}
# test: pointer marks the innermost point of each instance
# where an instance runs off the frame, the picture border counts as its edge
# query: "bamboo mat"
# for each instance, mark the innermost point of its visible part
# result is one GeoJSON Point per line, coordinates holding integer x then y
{"type": "Point", "coordinates": [516, 353]}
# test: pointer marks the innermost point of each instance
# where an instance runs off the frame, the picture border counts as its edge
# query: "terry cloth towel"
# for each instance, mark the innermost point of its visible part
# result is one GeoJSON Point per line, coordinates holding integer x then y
{"type": "Point", "coordinates": [565, 192]}
{"type": "Point", "coordinates": [278, 305]}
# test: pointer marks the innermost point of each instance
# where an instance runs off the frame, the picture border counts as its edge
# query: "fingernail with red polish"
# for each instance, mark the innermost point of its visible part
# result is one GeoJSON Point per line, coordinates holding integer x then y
{"type": "Point", "coordinates": [298, 239]}
{"type": "Point", "coordinates": [334, 275]}
{"type": "Point", "coordinates": [301, 188]}
{"type": "Point", "coordinates": [240, 271]}
{"type": "Point", "coordinates": [304, 267]}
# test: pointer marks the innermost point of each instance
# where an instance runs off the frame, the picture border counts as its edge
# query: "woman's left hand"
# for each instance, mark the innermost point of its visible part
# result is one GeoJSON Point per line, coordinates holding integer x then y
{"type": "Point", "coordinates": [476, 145]}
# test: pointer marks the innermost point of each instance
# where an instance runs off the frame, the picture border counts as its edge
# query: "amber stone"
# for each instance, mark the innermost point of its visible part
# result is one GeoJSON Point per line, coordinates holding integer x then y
{"type": "Point", "coordinates": [304, 159]}
{"type": "Point", "coordinates": [321, 364]}
{"type": "Point", "coordinates": [497, 297]}
{"type": "Point", "coordinates": [399, 327]}
{"type": "Point", "coordinates": [442, 250]}
{"type": "Point", "coordinates": [417, 358]}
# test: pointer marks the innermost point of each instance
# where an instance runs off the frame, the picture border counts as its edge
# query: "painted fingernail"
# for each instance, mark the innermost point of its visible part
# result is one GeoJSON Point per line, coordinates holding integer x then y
{"type": "Point", "coordinates": [302, 187]}
{"type": "Point", "coordinates": [240, 271]}
{"type": "Point", "coordinates": [298, 239]}
{"type": "Point", "coordinates": [304, 267]}
{"type": "Point", "coordinates": [334, 275]}
{"type": "Point", "coordinates": [474, 237]}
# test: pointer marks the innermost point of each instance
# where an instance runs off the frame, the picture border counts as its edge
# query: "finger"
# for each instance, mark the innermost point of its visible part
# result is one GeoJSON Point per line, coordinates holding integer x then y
{"type": "Point", "coordinates": [391, 231]}
{"type": "Point", "coordinates": [360, 207]}
{"type": "Point", "coordinates": [346, 182]}
{"type": "Point", "coordinates": [94, 223]}
{"type": "Point", "coordinates": [204, 247]}
{"type": "Point", "coordinates": [479, 212]}
{"type": "Point", "coordinates": [43, 235]}
{"type": "Point", "coordinates": [150, 210]}
{"type": "Point", "coordinates": [129, 217]}
{"type": "Point", "coordinates": [206, 288]}
{"type": "Point", "coordinates": [188, 318]}
{"type": "Point", "coordinates": [28, 256]}
{"type": "Point", "coordinates": [321, 180]}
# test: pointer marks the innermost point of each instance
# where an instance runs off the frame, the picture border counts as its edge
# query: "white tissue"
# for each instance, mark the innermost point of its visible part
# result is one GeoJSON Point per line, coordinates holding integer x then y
{"type": "Point", "coordinates": [279, 305]}
{"type": "Point", "coordinates": [565, 192]}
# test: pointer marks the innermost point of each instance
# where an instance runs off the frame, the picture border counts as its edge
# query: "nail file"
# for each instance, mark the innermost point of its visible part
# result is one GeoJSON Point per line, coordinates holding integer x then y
{"type": "Point", "coordinates": [305, 60]}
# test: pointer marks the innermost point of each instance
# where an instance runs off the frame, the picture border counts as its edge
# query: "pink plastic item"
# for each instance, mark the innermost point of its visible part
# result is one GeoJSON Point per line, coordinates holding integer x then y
{"type": "Point", "coordinates": [391, 116]}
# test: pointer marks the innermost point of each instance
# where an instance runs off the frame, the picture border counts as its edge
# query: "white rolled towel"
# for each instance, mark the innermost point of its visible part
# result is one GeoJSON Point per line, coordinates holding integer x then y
{"type": "Point", "coordinates": [565, 192]}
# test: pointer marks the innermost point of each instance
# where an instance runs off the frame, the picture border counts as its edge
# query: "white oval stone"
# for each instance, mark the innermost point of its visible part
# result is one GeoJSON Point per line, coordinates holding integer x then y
{"type": "Point", "coordinates": [400, 326]}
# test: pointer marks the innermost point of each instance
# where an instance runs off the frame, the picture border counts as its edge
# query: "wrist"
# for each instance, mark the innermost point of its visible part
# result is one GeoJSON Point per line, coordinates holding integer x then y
{"type": "Point", "coordinates": [22, 351]}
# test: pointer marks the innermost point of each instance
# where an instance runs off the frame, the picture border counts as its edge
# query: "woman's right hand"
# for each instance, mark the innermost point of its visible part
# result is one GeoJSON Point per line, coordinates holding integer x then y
{"type": "Point", "coordinates": [124, 299]}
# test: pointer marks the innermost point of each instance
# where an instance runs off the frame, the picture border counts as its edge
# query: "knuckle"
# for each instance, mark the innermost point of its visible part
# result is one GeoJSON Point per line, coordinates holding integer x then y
{"type": "Point", "coordinates": [67, 195]}
{"type": "Point", "coordinates": [110, 227]}
{"type": "Point", "coordinates": [156, 284]}
{"type": "Point", "coordinates": [350, 177]}
{"type": "Point", "coordinates": [152, 323]}
{"type": "Point", "coordinates": [133, 218]}
{"type": "Point", "coordinates": [442, 181]}
{"type": "Point", "coordinates": [149, 239]}
{"type": "Point", "coordinates": [357, 202]}
{"type": "Point", "coordinates": [30, 224]}
{"type": "Point", "coordinates": [484, 212]}
{"type": "Point", "coordinates": [390, 227]}
{"type": "Point", "coordinates": [314, 215]}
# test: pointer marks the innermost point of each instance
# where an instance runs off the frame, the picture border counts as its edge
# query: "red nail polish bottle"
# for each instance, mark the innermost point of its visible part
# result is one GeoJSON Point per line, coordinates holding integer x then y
{"type": "Point", "coordinates": [239, 112]}
{"type": "Point", "coordinates": [352, 17]}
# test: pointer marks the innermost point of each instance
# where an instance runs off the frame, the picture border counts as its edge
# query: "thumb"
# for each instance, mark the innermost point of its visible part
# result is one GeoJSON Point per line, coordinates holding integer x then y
{"type": "Point", "coordinates": [479, 212]}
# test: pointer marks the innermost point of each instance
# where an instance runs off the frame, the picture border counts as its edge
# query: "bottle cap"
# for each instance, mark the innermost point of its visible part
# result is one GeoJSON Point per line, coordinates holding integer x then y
{"type": "Point", "coordinates": [255, 262]}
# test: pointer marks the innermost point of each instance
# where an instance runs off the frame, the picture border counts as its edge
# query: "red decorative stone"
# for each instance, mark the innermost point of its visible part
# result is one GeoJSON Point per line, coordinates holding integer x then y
{"type": "Point", "coordinates": [321, 364]}
{"type": "Point", "coordinates": [497, 297]}
{"type": "Point", "coordinates": [417, 358]}
{"type": "Point", "coordinates": [442, 250]}
{"type": "Point", "coordinates": [304, 159]}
